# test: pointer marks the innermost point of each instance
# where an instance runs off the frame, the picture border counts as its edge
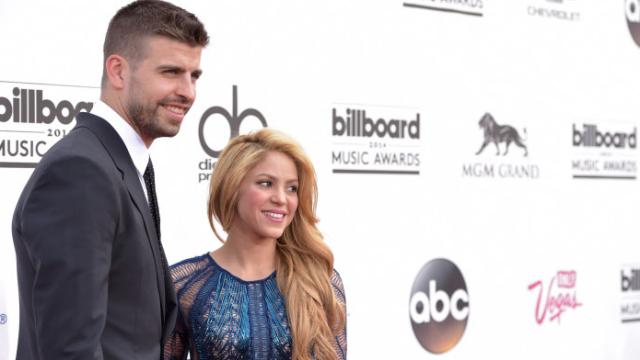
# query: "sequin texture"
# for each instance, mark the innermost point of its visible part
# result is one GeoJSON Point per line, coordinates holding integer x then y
{"type": "Point", "coordinates": [222, 317]}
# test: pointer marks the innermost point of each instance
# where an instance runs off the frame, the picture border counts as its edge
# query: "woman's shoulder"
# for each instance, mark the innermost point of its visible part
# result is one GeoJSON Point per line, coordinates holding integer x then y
{"type": "Point", "coordinates": [335, 276]}
{"type": "Point", "coordinates": [338, 285]}
{"type": "Point", "coordinates": [188, 267]}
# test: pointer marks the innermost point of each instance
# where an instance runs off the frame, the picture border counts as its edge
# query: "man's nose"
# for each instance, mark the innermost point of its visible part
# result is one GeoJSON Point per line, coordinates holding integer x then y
{"type": "Point", "coordinates": [187, 88]}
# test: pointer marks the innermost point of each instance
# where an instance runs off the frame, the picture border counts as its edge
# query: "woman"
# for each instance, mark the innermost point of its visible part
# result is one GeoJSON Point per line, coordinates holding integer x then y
{"type": "Point", "coordinates": [270, 291]}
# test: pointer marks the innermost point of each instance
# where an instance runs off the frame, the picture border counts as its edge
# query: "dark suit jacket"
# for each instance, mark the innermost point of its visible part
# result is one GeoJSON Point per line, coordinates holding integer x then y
{"type": "Point", "coordinates": [91, 278]}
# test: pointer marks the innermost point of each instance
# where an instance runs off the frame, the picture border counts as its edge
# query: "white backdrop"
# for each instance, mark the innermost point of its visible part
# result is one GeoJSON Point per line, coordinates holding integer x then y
{"type": "Point", "coordinates": [505, 221]}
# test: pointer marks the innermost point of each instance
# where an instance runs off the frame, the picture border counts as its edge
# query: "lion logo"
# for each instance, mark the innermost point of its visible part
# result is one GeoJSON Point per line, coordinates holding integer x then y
{"type": "Point", "coordinates": [495, 133]}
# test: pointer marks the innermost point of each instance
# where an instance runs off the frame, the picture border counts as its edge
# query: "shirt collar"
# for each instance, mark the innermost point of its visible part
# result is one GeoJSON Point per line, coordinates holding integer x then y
{"type": "Point", "coordinates": [135, 146]}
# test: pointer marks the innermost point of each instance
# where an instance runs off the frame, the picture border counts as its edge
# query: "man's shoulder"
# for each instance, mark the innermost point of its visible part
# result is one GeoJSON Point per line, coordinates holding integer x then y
{"type": "Point", "coordinates": [78, 144]}
{"type": "Point", "coordinates": [82, 142]}
{"type": "Point", "coordinates": [78, 157]}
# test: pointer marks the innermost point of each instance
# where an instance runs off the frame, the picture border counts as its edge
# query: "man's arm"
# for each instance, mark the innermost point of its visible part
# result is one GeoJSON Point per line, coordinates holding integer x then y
{"type": "Point", "coordinates": [68, 225]}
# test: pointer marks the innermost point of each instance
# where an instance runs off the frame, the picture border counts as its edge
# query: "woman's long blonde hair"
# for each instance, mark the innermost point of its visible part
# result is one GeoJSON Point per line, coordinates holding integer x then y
{"type": "Point", "coordinates": [305, 263]}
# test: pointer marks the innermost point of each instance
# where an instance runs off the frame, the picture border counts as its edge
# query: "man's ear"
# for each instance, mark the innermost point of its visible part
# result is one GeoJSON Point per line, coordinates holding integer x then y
{"type": "Point", "coordinates": [117, 69]}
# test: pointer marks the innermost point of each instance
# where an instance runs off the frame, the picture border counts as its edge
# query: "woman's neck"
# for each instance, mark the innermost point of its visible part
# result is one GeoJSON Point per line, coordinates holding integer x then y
{"type": "Point", "coordinates": [248, 259]}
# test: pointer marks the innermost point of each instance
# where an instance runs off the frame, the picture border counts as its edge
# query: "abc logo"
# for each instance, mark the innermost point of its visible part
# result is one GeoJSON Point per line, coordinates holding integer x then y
{"type": "Point", "coordinates": [233, 120]}
{"type": "Point", "coordinates": [632, 12]}
{"type": "Point", "coordinates": [439, 306]}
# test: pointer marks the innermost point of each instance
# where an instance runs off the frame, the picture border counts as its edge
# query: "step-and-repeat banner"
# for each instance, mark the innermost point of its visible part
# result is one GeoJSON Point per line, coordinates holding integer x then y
{"type": "Point", "coordinates": [477, 159]}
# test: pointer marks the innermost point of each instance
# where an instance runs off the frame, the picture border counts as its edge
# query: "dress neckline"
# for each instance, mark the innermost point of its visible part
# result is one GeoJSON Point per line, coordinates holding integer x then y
{"type": "Point", "coordinates": [213, 262]}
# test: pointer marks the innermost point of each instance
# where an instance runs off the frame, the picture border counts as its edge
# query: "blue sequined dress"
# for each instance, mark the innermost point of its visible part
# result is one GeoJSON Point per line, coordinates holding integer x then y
{"type": "Point", "coordinates": [224, 317]}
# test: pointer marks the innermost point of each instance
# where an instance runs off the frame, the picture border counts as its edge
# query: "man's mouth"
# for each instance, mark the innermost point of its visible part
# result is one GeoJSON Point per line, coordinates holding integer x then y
{"type": "Point", "coordinates": [178, 110]}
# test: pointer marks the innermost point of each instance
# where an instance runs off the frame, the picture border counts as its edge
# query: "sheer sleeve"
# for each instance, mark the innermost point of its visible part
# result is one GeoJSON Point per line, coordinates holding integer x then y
{"type": "Point", "coordinates": [177, 346]}
{"type": "Point", "coordinates": [341, 336]}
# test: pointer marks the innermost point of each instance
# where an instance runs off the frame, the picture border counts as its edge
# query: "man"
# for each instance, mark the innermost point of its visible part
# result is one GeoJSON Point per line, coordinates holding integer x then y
{"type": "Point", "coordinates": [92, 276]}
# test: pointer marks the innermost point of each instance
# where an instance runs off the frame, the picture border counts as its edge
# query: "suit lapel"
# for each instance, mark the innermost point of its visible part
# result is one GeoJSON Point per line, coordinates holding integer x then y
{"type": "Point", "coordinates": [118, 152]}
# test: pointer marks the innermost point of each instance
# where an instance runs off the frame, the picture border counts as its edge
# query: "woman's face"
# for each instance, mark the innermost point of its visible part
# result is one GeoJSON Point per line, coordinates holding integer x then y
{"type": "Point", "coordinates": [267, 197]}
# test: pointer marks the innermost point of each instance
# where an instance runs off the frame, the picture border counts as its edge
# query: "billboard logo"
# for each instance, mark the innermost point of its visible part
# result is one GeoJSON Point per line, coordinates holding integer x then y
{"type": "Point", "coordinates": [33, 119]}
{"type": "Point", "coordinates": [30, 106]}
{"type": "Point", "coordinates": [590, 136]}
{"type": "Point", "coordinates": [439, 306]}
{"type": "Point", "coordinates": [630, 279]}
{"type": "Point", "coordinates": [560, 296]}
{"type": "Point", "coordinates": [630, 291]}
{"type": "Point", "coordinates": [375, 140]}
{"type": "Point", "coordinates": [604, 154]}
{"type": "Point", "coordinates": [357, 123]}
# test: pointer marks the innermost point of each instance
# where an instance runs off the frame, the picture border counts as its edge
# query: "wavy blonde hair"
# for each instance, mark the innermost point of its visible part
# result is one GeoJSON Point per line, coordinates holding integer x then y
{"type": "Point", "coordinates": [305, 263]}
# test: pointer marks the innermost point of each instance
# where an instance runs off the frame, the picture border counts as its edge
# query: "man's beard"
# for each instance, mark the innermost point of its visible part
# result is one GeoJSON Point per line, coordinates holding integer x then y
{"type": "Point", "coordinates": [146, 120]}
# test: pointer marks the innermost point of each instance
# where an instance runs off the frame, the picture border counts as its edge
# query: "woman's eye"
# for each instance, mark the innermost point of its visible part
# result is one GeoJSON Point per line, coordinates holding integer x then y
{"type": "Point", "coordinates": [264, 183]}
{"type": "Point", "coordinates": [293, 189]}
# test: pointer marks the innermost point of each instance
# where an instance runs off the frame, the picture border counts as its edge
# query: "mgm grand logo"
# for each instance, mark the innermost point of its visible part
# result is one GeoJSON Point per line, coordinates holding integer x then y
{"type": "Point", "coordinates": [502, 136]}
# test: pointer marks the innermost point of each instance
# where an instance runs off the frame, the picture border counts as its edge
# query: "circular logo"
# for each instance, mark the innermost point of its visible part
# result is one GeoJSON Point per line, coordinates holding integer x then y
{"type": "Point", "coordinates": [632, 12]}
{"type": "Point", "coordinates": [3, 319]}
{"type": "Point", "coordinates": [232, 123]}
{"type": "Point", "coordinates": [439, 306]}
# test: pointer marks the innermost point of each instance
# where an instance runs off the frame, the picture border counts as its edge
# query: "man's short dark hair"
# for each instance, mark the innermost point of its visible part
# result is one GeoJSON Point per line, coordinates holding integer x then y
{"type": "Point", "coordinates": [135, 22]}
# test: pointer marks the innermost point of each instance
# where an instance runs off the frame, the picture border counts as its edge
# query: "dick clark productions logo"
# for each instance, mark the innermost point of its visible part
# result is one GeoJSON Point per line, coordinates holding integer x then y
{"type": "Point", "coordinates": [439, 306]}
{"type": "Point", "coordinates": [233, 119]}
{"type": "Point", "coordinates": [237, 125]}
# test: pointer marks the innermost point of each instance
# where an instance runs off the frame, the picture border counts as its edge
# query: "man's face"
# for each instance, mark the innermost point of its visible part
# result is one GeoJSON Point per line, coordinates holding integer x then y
{"type": "Point", "coordinates": [162, 87]}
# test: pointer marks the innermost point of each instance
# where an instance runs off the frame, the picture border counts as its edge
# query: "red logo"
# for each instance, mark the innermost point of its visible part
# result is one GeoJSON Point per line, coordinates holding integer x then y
{"type": "Point", "coordinates": [560, 296]}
